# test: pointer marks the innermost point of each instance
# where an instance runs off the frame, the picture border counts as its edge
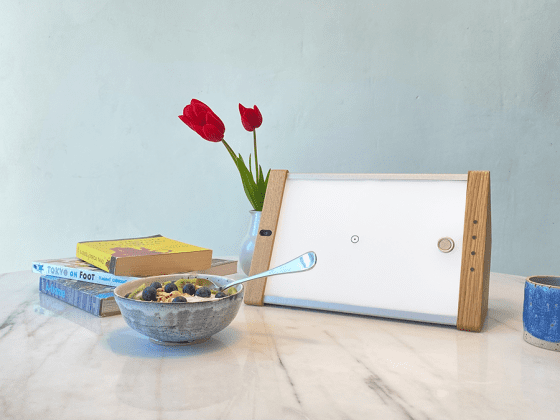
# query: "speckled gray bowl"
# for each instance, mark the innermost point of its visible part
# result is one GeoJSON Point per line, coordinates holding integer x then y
{"type": "Point", "coordinates": [178, 323]}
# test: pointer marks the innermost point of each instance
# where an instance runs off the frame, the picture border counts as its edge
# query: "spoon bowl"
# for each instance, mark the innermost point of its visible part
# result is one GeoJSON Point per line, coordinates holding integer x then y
{"type": "Point", "coordinates": [304, 262]}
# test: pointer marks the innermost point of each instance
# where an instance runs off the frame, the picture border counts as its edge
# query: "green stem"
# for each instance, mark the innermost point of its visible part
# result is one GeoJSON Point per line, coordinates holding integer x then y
{"type": "Point", "coordinates": [256, 160]}
{"type": "Point", "coordinates": [230, 150]}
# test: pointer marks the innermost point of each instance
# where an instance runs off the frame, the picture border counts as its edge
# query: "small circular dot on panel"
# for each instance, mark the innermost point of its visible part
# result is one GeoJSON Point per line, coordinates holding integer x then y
{"type": "Point", "coordinates": [475, 221]}
{"type": "Point", "coordinates": [472, 268]}
{"type": "Point", "coordinates": [474, 237]}
{"type": "Point", "coordinates": [473, 253]}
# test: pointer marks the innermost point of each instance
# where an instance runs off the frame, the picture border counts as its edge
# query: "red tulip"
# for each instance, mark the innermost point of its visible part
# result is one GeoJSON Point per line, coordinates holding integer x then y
{"type": "Point", "coordinates": [251, 118]}
{"type": "Point", "coordinates": [199, 117]}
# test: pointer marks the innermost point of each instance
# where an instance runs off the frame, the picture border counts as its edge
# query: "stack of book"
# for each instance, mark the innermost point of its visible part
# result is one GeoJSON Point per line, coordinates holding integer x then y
{"type": "Point", "coordinates": [88, 280]}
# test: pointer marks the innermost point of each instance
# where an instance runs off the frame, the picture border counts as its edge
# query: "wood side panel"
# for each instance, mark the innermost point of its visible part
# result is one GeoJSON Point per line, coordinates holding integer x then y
{"type": "Point", "coordinates": [477, 244]}
{"type": "Point", "coordinates": [487, 256]}
{"type": "Point", "coordinates": [254, 290]}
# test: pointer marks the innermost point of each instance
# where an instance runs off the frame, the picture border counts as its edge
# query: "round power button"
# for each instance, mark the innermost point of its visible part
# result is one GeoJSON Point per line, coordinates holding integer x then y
{"type": "Point", "coordinates": [446, 244]}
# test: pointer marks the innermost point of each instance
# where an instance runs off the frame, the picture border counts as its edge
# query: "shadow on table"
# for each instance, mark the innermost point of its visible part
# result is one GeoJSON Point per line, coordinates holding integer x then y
{"type": "Point", "coordinates": [164, 379]}
{"type": "Point", "coordinates": [127, 342]}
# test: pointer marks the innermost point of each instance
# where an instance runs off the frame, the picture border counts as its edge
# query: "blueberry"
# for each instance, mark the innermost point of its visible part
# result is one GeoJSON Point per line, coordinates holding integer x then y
{"type": "Point", "coordinates": [127, 295]}
{"type": "Point", "coordinates": [156, 285]}
{"type": "Point", "coordinates": [149, 293]}
{"type": "Point", "coordinates": [179, 299]}
{"type": "Point", "coordinates": [170, 287]}
{"type": "Point", "coordinates": [189, 288]}
{"type": "Point", "coordinates": [203, 292]}
{"type": "Point", "coordinates": [220, 295]}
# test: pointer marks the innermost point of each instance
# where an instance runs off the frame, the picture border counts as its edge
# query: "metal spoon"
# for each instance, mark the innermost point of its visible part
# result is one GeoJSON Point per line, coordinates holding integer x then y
{"type": "Point", "coordinates": [302, 263]}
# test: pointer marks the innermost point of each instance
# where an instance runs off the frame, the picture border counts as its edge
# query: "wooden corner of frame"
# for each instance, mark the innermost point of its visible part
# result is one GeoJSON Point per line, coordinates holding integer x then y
{"type": "Point", "coordinates": [475, 263]}
{"type": "Point", "coordinates": [254, 290]}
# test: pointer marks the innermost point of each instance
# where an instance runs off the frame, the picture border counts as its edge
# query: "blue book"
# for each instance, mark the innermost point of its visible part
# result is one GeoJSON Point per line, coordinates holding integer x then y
{"type": "Point", "coordinates": [94, 298]}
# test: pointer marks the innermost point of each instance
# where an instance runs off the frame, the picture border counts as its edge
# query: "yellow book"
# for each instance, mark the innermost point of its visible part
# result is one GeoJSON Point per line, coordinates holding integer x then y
{"type": "Point", "coordinates": [146, 256]}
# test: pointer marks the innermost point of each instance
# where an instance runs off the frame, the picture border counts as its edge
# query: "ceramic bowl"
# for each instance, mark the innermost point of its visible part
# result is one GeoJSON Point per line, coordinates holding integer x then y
{"type": "Point", "coordinates": [178, 323]}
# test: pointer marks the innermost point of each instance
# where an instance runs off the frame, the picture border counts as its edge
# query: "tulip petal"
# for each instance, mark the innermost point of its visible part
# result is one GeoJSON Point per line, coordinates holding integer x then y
{"type": "Point", "coordinates": [212, 133]}
{"type": "Point", "coordinates": [258, 117]}
{"type": "Point", "coordinates": [200, 108]}
{"type": "Point", "coordinates": [189, 122]}
{"type": "Point", "coordinates": [243, 112]}
{"type": "Point", "coordinates": [213, 119]}
{"type": "Point", "coordinates": [200, 118]}
{"type": "Point", "coordinates": [200, 131]}
{"type": "Point", "coordinates": [184, 119]}
{"type": "Point", "coordinates": [199, 111]}
{"type": "Point", "coordinates": [246, 125]}
{"type": "Point", "coordinates": [251, 118]}
{"type": "Point", "coordinates": [199, 103]}
{"type": "Point", "coordinates": [190, 113]}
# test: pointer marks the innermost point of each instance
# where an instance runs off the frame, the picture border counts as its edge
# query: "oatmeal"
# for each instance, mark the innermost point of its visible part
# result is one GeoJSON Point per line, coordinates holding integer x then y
{"type": "Point", "coordinates": [182, 290]}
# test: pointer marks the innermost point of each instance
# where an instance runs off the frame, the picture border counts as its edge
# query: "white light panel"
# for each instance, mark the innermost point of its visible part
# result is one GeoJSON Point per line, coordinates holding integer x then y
{"type": "Point", "coordinates": [376, 240]}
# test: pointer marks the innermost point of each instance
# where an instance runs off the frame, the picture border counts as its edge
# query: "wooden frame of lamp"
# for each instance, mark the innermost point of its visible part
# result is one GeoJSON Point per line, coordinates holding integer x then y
{"type": "Point", "coordinates": [476, 249]}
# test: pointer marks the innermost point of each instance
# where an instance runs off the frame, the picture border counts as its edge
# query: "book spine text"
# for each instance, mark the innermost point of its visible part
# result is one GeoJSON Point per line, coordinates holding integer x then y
{"type": "Point", "coordinates": [90, 276]}
{"type": "Point", "coordinates": [84, 301]}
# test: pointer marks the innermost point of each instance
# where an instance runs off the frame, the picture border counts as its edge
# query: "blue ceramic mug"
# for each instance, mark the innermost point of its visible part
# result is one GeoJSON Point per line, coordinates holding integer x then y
{"type": "Point", "coordinates": [541, 312]}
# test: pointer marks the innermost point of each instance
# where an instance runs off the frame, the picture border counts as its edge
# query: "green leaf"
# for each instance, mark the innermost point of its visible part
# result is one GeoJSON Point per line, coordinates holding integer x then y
{"type": "Point", "coordinates": [255, 188]}
{"type": "Point", "coordinates": [249, 185]}
{"type": "Point", "coordinates": [261, 177]}
{"type": "Point", "coordinates": [261, 184]}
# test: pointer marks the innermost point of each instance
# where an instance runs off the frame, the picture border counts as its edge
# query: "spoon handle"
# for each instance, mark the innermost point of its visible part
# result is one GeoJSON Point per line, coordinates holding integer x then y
{"type": "Point", "coordinates": [302, 263]}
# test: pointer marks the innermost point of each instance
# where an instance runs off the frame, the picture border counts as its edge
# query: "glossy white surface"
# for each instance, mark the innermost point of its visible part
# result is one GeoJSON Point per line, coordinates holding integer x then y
{"type": "Point", "coordinates": [375, 234]}
{"type": "Point", "coordinates": [58, 362]}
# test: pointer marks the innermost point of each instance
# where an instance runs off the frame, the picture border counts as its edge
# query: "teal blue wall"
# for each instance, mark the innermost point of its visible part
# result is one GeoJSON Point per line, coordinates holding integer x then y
{"type": "Point", "coordinates": [91, 146]}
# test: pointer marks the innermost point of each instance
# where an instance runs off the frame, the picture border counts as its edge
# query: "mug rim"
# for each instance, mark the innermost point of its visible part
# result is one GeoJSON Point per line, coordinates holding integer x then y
{"type": "Point", "coordinates": [546, 281]}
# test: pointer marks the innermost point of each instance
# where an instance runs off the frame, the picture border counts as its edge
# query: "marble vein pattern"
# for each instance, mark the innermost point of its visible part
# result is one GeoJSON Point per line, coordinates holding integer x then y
{"type": "Point", "coordinates": [58, 362]}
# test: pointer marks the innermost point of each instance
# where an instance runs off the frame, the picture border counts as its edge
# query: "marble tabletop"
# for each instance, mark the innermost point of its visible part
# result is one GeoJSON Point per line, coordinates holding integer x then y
{"type": "Point", "coordinates": [58, 362]}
